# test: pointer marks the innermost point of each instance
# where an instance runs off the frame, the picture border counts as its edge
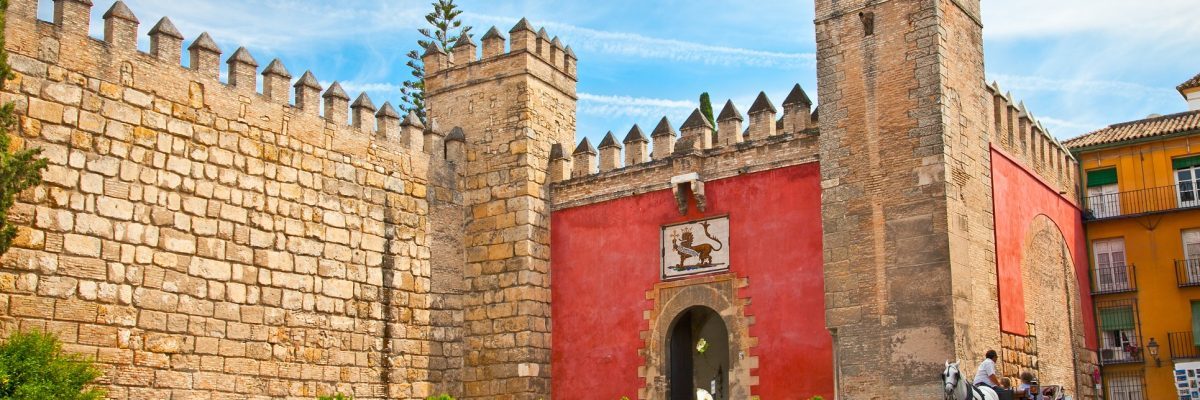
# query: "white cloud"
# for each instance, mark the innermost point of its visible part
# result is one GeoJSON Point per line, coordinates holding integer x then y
{"type": "Point", "coordinates": [371, 87]}
{"type": "Point", "coordinates": [628, 107]}
{"type": "Point", "coordinates": [1061, 125]}
{"type": "Point", "coordinates": [639, 46]}
{"type": "Point", "coordinates": [1022, 85]}
{"type": "Point", "coordinates": [296, 26]}
{"type": "Point", "coordinates": [1166, 19]}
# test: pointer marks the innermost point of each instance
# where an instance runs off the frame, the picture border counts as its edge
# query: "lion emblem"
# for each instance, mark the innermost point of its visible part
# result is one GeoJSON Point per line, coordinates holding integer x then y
{"type": "Point", "coordinates": [685, 246]}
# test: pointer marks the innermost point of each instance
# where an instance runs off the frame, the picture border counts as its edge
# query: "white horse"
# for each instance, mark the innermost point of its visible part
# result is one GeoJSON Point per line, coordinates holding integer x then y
{"type": "Point", "coordinates": [958, 388]}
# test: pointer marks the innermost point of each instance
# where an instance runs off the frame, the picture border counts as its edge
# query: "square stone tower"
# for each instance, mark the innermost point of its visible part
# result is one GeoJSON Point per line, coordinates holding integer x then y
{"type": "Point", "coordinates": [907, 210]}
{"type": "Point", "coordinates": [507, 109]}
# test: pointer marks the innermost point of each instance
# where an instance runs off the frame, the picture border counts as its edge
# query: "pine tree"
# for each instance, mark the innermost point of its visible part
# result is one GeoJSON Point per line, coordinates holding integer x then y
{"type": "Point", "coordinates": [707, 110]}
{"type": "Point", "coordinates": [446, 29]}
{"type": "Point", "coordinates": [19, 170]}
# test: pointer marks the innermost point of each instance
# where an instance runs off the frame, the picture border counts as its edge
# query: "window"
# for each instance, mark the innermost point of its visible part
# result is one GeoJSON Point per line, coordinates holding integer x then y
{"type": "Point", "coordinates": [1191, 254]}
{"type": "Point", "coordinates": [1103, 198]}
{"type": "Point", "coordinates": [1111, 273]}
{"type": "Point", "coordinates": [1196, 323]}
{"type": "Point", "coordinates": [1187, 180]}
{"type": "Point", "coordinates": [1119, 340]}
{"type": "Point", "coordinates": [1125, 386]}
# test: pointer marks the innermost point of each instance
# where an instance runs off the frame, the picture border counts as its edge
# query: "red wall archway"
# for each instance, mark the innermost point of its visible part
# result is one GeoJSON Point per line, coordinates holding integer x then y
{"type": "Point", "coordinates": [1020, 196]}
{"type": "Point", "coordinates": [605, 258]}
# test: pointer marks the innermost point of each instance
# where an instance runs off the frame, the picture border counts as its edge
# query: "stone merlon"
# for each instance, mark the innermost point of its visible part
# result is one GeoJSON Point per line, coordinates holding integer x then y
{"type": "Point", "coordinates": [695, 120]}
{"type": "Point", "coordinates": [585, 147]}
{"type": "Point", "coordinates": [635, 135]}
{"type": "Point", "coordinates": [456, 135]}
{"type": "Point", "coordinates": [336, 92]}
{"type": "Point", "coordinates": [308, 80]}
{"type": "Point", "coordinates": [609, 141]}
{"type": "Point", "coordinates": [797, 96]}
{"type": "Point", "coordinates": [165, 27]}
{"type": "Point", "coordinates": [121, 11]}
{"type": "Point", "coordinates": [522, 25]}
{"type": "Point", "coordinates": [761, 104]}
{"type": "Point", "coordinates": [363, 101]}
{"type": "Point", "coordinates": [493, 34]}
{"type": "Point", "coordinates": [412, 120]}
{"type": "Point", "coordinates": [275, 67]}
{"type": "Point", "coordinates": [205, 42]}
{"type": "Point", "coordinates": [730, 112]}
{"type": "Point", "coordinates": [664, 128]}
{"type": "Point", "coordinates": [387, 111]}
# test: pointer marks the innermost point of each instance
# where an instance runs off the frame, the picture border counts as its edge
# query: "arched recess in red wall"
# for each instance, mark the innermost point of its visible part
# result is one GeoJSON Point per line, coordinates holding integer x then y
{"type": "Point", "coordinates": [1020, 196]}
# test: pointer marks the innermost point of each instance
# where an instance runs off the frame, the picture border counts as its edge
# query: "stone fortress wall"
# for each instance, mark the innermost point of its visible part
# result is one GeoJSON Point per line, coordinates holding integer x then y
{"type": "Point", "coordinates": [203, 239]}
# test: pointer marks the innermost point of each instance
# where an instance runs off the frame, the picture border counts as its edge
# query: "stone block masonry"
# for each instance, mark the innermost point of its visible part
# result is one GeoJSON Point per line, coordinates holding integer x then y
{"type": "Point", "coordinates": [511, 107]}
{"type": "Point", "coordinates": [202, 240]}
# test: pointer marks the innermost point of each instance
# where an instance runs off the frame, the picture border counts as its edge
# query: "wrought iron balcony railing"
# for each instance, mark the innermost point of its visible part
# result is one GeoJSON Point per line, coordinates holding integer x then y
{"type": "Point", "coordinates": [1142, 201]}
{"type": "Point", "coordinates": [1183, 345]}
{"type": "Point", "coordinates": [1113, 353]}
{"type": "Point", "coordinates": [1115, 279]}
{"type": "Point", "coordinates": [1187, 272]}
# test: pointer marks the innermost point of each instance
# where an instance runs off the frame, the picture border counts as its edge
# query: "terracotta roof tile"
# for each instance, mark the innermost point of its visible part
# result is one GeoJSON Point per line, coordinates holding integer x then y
{"type": "Point", "coordinates": [1144, 128]}
{"type": "Point", "coordinates": [1191, 83]}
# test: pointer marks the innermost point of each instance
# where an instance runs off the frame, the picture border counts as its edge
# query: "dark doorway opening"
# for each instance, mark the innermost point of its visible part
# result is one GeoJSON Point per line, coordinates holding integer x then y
{"type": "Point", "coordinates": [698, 357]}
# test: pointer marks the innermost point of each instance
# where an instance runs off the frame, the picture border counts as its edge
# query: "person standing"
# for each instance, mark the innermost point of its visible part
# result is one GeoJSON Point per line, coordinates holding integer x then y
{"type": "Point", "coordinates": [986, 374]}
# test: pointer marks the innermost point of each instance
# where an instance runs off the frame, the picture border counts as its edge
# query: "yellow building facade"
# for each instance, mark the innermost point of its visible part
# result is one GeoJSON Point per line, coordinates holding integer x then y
{"type": "Point", "coordinates": [1142, 199]}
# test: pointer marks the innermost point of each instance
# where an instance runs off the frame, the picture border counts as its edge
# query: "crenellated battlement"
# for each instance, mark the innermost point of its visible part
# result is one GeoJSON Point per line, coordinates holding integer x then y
{"type": "Point", "coordinates": [529, 51]}
{"type": "Point", "coordinates": [695, 138]}
{"type": "Point", "coordinates": [116, 58]}
{"type": "Point", "coordinates": [1022, 136]}
{"type": "Point", "coordinates": [596, 173]}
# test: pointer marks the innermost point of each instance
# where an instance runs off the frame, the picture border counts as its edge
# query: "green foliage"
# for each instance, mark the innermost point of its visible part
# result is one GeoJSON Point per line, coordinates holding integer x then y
{"type": "Point", "coordinates": [816, 398]}
{"type": "Point", "coordinates": [706, 109]}
{"type": "Point", "coordinates": [446, 29]}
{"type": "Point", "coordinates": [19, 170]}
{"type": "Point", "coordinates": [33, 365]}
{"type": "Point", "coordinates": [442, 396]}
{"type": "Point", "coordinates": [335, 396]}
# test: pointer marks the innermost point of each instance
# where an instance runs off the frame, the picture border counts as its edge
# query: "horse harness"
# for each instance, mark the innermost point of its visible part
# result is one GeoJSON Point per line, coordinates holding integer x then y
{"type": "Point", "coordinates": [974, 390]}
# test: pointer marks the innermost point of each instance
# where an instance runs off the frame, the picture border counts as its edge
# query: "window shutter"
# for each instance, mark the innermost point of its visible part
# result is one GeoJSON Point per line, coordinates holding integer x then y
{"type": "Point", "coordinates": [1119, 319]}
{"type": "Point", "coordinates": [1185, 162]}
{"type": "Point", "coordinates": [1101, 177]}
{"type": "Point", "coordinates": [1196, 323]}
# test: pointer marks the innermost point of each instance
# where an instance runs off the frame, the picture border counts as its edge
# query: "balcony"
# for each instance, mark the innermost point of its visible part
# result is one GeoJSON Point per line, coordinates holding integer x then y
{"type": "Point", "coordinates": [1183, 346]}
{"type": "Point", "coordinates": [1142, 201]}
{"type": "Point", "coordinates": [1187, 272]}
{"type": "Point", "coordinates": [1115, 279]}
{"type": "Point", "coordinates": [1111, 354]}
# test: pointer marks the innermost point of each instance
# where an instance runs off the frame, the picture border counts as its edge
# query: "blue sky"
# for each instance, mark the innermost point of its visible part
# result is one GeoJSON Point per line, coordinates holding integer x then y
{"type": "Point", "coordinates": [1079, 65]}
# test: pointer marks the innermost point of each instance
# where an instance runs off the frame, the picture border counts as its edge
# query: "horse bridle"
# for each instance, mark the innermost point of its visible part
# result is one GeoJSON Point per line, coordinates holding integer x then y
{"type": "Point", "coordinates": [971, 389]}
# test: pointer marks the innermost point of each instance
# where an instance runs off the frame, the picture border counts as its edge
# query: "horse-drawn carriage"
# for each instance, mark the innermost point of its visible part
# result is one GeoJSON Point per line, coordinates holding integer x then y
{"type": "Point", "coordinates": [959, 388]}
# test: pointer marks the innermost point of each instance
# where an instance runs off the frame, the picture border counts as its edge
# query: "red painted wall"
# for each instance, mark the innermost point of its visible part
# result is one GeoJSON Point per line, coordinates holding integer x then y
{"type": "Point", "coordinates": [1019, 197]}
{"type": "Point", "coordinates": [606, 256]}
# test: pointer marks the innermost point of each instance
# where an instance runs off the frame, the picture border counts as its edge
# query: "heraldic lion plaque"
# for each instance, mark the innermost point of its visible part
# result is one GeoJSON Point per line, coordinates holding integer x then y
{"type": "Point", "coordinates": [695, 247]}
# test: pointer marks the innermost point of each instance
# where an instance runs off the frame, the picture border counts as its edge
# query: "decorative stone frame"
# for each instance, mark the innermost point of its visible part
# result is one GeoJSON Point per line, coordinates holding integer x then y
{"type": "Point", "coordinates": [673, 298]}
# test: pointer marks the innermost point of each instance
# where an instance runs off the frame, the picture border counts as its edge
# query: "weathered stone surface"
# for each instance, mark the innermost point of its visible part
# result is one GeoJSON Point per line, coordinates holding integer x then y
{"type": "Point", "coordinates": [204, 242]}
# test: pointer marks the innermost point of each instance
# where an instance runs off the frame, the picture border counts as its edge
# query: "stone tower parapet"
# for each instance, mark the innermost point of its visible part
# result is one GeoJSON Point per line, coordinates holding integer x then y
{"type": "Point", "coordinates": [511, 108]}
